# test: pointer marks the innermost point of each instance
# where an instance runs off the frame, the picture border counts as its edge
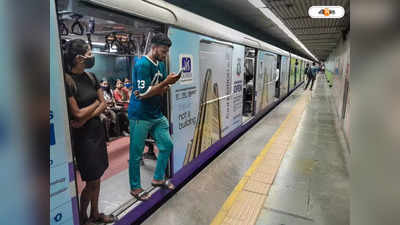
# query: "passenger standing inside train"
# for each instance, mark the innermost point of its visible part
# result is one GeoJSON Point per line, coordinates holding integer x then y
{"type": "Point", "coordinates": [85, 103]}
{"type": "Point", "coordinates": [150, 81]}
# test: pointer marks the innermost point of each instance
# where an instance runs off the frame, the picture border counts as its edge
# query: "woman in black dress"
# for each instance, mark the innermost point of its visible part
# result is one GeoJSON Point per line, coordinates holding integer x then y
{"type": "Point", "coordinates": [85, 103]}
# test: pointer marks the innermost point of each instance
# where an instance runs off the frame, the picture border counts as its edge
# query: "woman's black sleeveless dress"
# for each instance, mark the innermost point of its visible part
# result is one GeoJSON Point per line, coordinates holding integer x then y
{"type": "Point", "coordinates": [89, 141]}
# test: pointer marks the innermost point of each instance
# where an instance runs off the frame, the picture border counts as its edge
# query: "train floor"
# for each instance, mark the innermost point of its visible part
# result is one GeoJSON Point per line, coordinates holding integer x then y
{"type": "Point", "coordinates": [289, 168]}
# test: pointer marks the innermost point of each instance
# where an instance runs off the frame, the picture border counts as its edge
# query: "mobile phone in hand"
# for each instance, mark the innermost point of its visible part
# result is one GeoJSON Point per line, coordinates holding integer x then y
{"type": "Point", "coordinates": [180, 72]}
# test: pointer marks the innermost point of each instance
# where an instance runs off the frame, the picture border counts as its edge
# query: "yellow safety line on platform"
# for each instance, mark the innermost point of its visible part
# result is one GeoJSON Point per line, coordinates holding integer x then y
{"type": "Point", "coordinates": [222, 215]}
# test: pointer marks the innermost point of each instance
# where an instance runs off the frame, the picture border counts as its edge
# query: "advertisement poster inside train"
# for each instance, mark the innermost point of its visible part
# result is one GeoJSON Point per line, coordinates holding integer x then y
{"type": "Point", "coordinates": [265, 84]}
{"type": "Point", "coordinates": [61, 201]}
{"type": "Point", "coordinates": [284, 75]}
{"type": "Point", "coordinates": [202, 104]}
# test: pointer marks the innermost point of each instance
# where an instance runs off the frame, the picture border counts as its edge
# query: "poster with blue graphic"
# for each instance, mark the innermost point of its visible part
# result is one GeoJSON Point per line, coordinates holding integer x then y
{"type": "Point", "coordinates": [63, 203]}
{"type": "Point", "coordinates": [206, 104]}
{"type": "Point", "coordinates": [184, 94]}
{"type": "Point", "coordinates": [185, 64]}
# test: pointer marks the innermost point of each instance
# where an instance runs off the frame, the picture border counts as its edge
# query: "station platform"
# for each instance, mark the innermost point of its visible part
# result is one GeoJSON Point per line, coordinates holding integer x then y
{"type": "Point", "coordinates": [289, 168]}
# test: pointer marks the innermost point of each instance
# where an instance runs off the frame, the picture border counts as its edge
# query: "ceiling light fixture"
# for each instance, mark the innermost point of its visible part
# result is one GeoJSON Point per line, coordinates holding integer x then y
{"type": "Point", "coordinates": [270, 15]}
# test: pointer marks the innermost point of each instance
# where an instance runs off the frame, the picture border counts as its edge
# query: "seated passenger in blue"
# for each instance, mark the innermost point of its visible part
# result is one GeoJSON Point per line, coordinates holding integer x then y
{"type": "Point", "coordinates": [128, 86]}
{"type": "Point", "coordinates": [150, 81]}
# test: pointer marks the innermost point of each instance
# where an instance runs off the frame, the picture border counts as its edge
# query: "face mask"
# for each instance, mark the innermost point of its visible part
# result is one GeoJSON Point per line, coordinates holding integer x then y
{"type": "Point", "coordinates": [89, 62]}
{"type": "Point", "coordinates": [106, 88]}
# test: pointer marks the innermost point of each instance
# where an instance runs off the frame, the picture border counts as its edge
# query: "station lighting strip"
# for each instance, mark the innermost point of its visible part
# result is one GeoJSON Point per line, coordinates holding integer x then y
{"type": "Point", "coordinates": [268, 13]}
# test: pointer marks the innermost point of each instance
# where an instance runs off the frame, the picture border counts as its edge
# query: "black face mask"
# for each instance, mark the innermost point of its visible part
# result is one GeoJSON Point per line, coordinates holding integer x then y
{"type": "Point", "coordinates": [106, 88]}
{"type": "Point", "coordinates": [89, 62]}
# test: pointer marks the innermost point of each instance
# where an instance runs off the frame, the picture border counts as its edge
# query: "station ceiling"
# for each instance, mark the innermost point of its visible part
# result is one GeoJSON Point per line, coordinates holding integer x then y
{"type": "Point", "coordinates": [320, 36]}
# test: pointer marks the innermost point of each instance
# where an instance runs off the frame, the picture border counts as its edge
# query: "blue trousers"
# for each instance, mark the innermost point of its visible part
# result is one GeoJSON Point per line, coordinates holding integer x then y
{"type": "Point", "coordinates": [159, 130]}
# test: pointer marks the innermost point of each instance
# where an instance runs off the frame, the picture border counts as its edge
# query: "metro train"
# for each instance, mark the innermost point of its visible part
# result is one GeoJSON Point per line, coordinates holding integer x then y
{"type": "Point", "coordinates": [230, 80]}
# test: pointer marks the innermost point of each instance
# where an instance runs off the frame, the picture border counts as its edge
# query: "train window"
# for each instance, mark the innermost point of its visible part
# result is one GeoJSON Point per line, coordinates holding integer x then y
{"type": "Point", "coordinates": [117, 40]}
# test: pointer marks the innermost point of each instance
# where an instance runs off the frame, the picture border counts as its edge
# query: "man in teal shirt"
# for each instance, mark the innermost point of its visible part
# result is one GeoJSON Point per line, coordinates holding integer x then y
{"type": "Point", "coordinates": [150, 81]}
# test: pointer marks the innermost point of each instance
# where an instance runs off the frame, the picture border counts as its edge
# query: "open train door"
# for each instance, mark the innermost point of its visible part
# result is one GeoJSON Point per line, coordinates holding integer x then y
{"type": "Point", "coordinates": [249, 83]}
{"type": "Point", "coordinates": [278, 77]}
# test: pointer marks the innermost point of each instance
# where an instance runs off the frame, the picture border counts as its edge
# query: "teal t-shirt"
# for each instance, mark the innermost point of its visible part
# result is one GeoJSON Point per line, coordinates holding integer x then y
{"type": "Point", "coordinates": [146, 74]}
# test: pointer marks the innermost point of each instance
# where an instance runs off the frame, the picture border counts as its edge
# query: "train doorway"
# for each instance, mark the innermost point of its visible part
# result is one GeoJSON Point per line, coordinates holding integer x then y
{"type": "Point", "coordinates": [117, 42]}
{"type": "Point", "coordinates": [249, 83]}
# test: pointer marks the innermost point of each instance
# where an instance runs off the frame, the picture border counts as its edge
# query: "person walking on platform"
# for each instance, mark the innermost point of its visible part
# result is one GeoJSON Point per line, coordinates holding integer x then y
{"type": "Point", "coordinates": [150, 81]}
{"type": "Point", "coordinates": [311, 75]}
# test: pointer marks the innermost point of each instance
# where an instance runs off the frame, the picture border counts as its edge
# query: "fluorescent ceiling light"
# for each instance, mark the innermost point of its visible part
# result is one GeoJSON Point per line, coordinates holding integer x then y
{"type": "Point", "coordinates": [257, 3]}
{"type": "Point", "coordinates": [270, 15]}
{"type": "Point", "coordinates": [98, 43]}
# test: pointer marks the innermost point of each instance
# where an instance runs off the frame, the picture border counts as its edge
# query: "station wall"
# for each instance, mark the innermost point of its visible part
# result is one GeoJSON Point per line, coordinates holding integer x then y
{"type": "Point", "coordinates": [338, 64]}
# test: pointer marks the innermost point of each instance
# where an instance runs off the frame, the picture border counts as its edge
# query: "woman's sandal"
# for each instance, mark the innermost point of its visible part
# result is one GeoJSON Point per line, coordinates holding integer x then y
{"type": "Point", "coordinates": [84, 220]}
{"type": "Point", "coordinates": [141, 196]}
{"type": "Point", "coordinates": [102, 218]}
{"type": "Point", "coordinates": [164, 185]}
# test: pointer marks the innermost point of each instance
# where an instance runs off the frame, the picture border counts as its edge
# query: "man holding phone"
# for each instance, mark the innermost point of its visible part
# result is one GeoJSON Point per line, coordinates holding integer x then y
{"type": "Point", "coordinates": [150, 81]}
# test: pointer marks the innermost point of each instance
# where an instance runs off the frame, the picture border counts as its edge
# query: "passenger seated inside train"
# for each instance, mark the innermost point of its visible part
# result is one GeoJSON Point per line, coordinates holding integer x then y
{"type": "Point", "coordinates": [109, 117]}
{"type": "Point", "coordinates": [114, 120]}
{"type": "Point", "coordinates": [128, 86]}
{"type": "Point", "coordinates": [121, 95]}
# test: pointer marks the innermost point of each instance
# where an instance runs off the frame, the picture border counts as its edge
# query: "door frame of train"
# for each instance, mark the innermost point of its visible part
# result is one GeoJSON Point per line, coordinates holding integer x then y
{"type": "Point", "coordinates": [290, 71]}
{"type": "Point", "coordinates": [166, 106]}
{"type": "Point", "coordinates": [254, 81]}
{"type": "Point", "coordinates": [278, 82]}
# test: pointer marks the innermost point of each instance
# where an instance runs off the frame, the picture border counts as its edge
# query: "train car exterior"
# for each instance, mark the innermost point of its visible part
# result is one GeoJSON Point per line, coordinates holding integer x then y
{"type": "Point", "coordinates": [205, 106]}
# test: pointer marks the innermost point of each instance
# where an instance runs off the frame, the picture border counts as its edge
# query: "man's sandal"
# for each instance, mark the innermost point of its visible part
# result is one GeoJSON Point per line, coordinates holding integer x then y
{"type": "Point", "coordinates": [141, 196]}
{"type": "Point", "coordinates": [164, 185]}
